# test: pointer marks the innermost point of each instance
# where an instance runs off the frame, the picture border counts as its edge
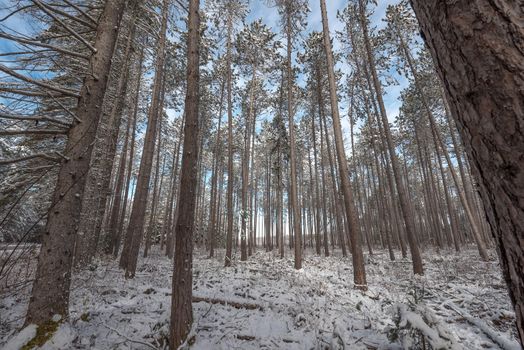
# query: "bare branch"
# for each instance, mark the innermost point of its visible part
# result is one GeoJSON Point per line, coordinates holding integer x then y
{"type": "Point", "coordinates": [63, 24]}
{"type": "Point", "coordinates": [32, 156]}
{"type": "Point", "coordinates": [15, 12]}
{"type": "Point", "coordinates": [37, 43]}
{"type": "Point", "coordinates": [33, 132]}
{"type": "Point", "coordinates": [39, 83]}
{"type": "Point", "coordinates": [37, 119]}
{"type": "Point", "coordinates": [29, 93]}
{"type": "Point", "coordinates": [71, 17]}
{"type": "Point", "coordinates": [85, 14]}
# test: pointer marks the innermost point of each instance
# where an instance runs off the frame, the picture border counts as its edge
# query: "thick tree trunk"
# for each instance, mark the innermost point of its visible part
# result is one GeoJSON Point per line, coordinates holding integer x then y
{"type": "Point", "coordinates": [356, 246]}
{"type": "Point", "coordinates": [479, 53]}
{"type": "Point", "coordinates": [181, 308]}
{"type": "Point", "coordinates": [50, 294]}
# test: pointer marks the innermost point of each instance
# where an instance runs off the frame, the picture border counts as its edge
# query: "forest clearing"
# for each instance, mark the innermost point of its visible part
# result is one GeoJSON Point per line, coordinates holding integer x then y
{"type": "Point", "coordinates": [261, 174]}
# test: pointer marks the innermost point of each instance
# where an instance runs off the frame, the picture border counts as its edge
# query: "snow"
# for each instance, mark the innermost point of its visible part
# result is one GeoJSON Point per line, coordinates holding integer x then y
{"type": "Point", "coordinates": [62, 339]}
{"type": "Point", "coordinates": [460, 303]}
{"type": "Point", "coordinates": [20, 339]}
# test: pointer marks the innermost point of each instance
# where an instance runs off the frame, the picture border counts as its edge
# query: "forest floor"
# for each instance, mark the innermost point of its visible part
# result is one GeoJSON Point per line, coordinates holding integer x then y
{"type": "Point", "coordinates": [460, 303]}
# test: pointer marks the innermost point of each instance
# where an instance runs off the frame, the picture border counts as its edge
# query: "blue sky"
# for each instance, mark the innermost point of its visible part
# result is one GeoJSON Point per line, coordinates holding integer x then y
{"type": "Point", "coordinates": [270, 17]}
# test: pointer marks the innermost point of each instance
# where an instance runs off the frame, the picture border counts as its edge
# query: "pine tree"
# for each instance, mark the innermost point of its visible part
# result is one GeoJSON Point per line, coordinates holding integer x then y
{"type": "Point", "coordinates": [493, 144]}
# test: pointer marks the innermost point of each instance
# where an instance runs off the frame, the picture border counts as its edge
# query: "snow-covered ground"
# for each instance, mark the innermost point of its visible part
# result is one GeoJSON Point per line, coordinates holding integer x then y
{"type": "Point", "coordinates": [461, 303]}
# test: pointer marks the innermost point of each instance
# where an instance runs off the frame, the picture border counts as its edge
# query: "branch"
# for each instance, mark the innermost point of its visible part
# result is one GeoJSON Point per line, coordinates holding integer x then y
{"type": "Point", "coordinates": [37, 119]}
{"type": "Point", "coordinates": [36, 82]}
{"type": "Point", "coordinates": [237, 305]}
{"type": "Point", "coordinates": [65, 109]}
{"type": "Point", "coordinates": [66, 27]}
{"type": "Point", "coordinates": [182, 5]}
{"type": "Point", "coordinates": [37, 43]}
{"type": "Point", "coordinates": [71, 17]}
{"type": "Point", "coordinates": [29, 93]}
{"type": "Point", "coordinates": [129, 339]}
{"type": "Point", "coordinates": [32, 156]}
{"type": "Point", "coordinates": [32, 132]}
{"type": "Point", "coordinates": [85, 14]}
{"type": "Point", "coordinates": [15, 11]}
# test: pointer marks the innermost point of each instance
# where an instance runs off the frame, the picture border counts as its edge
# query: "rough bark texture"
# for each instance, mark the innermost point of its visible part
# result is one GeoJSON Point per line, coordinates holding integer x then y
{"type": "Point", "coordinates": [181, 310]}
{"type": "Point", "coordinates": [50, 293]}
{"type": "Point", "coordinates": [478, 48]}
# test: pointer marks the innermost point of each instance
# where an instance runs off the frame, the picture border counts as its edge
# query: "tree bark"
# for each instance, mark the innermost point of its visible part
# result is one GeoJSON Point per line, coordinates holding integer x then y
{"type": "Point", "coordinates": [292, 147]}
{"type": "Point", "coordinates": [356, 246]}
{"type": "Point", "coordinates": [407, 211]}
{"type": "Point", "coordinates": [137, 218]}
{"type": "Point", "coordinates": [50, 294]}
{"type": "Point", "coordinates": [181, 308]}
{"type": "Point", "coordinates": [478, 49]}
{"type": "Point", "coordinates": [98, 178]}
{"type": "Point", "coordinates": [230, 175]}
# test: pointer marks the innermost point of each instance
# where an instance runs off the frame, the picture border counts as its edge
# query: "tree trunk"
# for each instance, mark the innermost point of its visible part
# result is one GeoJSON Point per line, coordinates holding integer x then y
{"type": "Point", "coordinates": [356, 246]}
{"type": "Point", "coordinates": [50, 293]}
{"type": "Point", "coordinates": [214, 182]}
{"type": "Point", "coordinates": [181, 308]}
{"type": "Point", "coordinates": [407, 211]}
{"type": "Point", "coordinates": [479, 53]}
{"type": "Point", "coordinates": [440, 144]}
{"type": "Point", "coordinates": [98, 177]}
{"type": "Point", "coordinates": [292, 148]}
{"type": "Point", "coordinates": [137, 218]}
{"type": "Point", "coordinates": [230, 175]}
{"type": "Point", "coordinates": [122, 214]}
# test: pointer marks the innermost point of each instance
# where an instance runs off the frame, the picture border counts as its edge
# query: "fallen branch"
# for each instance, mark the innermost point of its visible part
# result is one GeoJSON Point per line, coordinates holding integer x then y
{"type": "Point", "coordinates": [237, 305]}
{"type": "Point", "coordinates": [246, 337]}
{"type": "Point", "coordinates": [504, 343]}
{"type": "Point", "coordinates": [129, 339]}
{"type": "Point", "coordinates": [252, 338]}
